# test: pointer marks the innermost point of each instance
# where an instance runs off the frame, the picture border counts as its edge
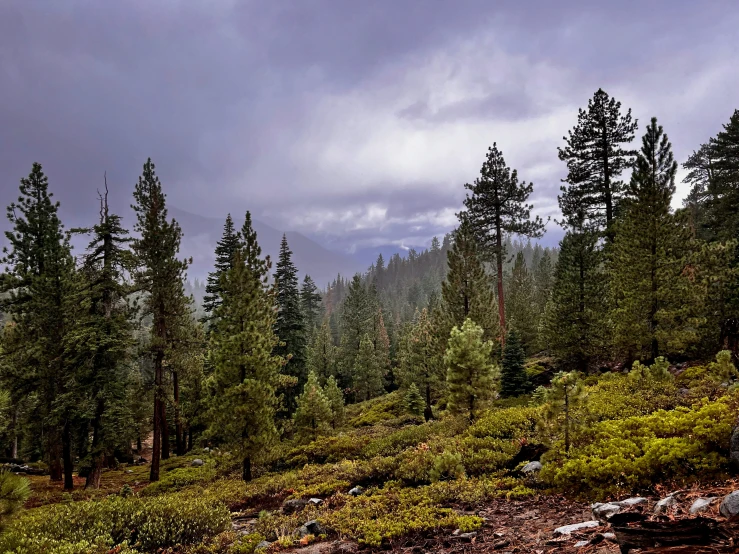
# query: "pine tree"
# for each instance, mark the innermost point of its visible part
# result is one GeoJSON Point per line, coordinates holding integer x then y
{"type": "Point", "coordinates": [336, 401]}
{"type": "Point", "coordinates": [161, 276]}
{"type": "Point", "coordinates": [367, 376]}
{"type": "Point", "coordinates": [381, 342]}
{"type": "Point", "coordinates": [573, 324]}
{"type": "Point", "coordinates": [543, 280]}
{"type": "Point", "coordinates": [513, 378]}
{"type": "Point", "coordinates": [225, 249]}
{"type": "Point", "coordinates": [651, 295]}
{"type": "Point", "coordinates": [313, 414]}
{"type": "Point", "coordinates": [310, 304]}
{"type": "Point", "coordinates": [246, 372]}
{"type": "Point", "coordinates": [38, 295]}
{"type": "Point", "coordinates": [321, 354]}
{"type": "Point", "coordinates": [252, 252]}
{"type": "Point", "coordinates": [413, 401]}
{"type": "Point", "coordinates": [104, 335]}
{"type": "Point", "coordinates": [522, 309]}
{"type": "Point", "coordinates": [497, 207]}
{"type": "Point", "coordinates": [357, 319]}
{"type": "Point", "coordinates": [470, 374]}
{"type": "Point", "coordinates": [561, 400]}
{"type": "Point", "coordinates": [595, 159]}
{"type": "Point", "coordinates": [14, 491]}
{"type": "Point", "coordinates": [419, 362]}
{"type": "Point", "coordinates": [289, 326]}
{"type": "Point", "coordinates": [467, 293]}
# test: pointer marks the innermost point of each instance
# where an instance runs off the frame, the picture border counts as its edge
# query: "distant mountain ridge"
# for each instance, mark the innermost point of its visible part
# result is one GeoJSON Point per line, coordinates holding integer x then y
{"type": "Point", "coordinates": [201, 233]}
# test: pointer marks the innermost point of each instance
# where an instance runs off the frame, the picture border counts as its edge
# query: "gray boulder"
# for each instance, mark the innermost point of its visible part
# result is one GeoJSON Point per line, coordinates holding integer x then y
{"type": "Point", "coordinates": [730, 505]}
{"type": "Point", "coordinates": [569, 529]}
{"type": "Point", "coordinates": [263, 545]}
{"type": "Point", "coordinates": [633, 501]}
{"type": "Point", "coordinates": [604, 511]}
{"type": "Point", "coordinates": [356, 491]}
{"type": "Point", "coordinates": [315, 501]}
{"type": "Point", "coordinates": [701, 505]}
{"type": "Point", "coordinates": [531, 467]}
{"type": "Point", "coordinates": [664, 504]}
{"type": "Point", "coordinates": [293, 505]}
{"type": "Point", "coordinates": [197, 462]}
{"type": "Point", "coordinates": [311, 527]}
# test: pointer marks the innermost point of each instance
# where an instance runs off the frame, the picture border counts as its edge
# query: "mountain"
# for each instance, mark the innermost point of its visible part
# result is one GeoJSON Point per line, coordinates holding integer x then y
{"type": "Point", "coordinates": [201, 234]}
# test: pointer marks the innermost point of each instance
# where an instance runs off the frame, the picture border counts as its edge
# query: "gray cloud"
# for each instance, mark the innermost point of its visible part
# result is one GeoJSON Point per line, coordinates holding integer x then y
{"type": "Point", "coordinates": [355, 122]}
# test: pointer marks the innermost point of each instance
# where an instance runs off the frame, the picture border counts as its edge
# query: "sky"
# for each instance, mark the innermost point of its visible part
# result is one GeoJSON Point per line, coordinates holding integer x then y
{"type": "Point", "coordinates": [354, 122]}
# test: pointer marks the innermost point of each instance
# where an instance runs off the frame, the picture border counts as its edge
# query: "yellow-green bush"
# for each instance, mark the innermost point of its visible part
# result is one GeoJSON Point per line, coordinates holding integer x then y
{"type": "Point", "coordinates": [621, 456]}
{"type": "Point", "coordinates": [92, 526]}
{"type": "Point", "coordinates": [179, 478]}
{"type": "Point", "coordinates": [378, 410]}
{"type": "Point", "coordinates": [390, 512]}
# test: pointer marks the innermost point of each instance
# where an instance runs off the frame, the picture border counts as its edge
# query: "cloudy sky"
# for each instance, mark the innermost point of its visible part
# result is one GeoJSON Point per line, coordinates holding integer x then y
{"type": "Point", "coordinates": [354, 122]}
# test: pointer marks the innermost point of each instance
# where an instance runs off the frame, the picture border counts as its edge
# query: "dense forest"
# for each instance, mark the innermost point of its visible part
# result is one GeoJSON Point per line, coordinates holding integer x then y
{"type": "Point", "coordinates": [111, 356]}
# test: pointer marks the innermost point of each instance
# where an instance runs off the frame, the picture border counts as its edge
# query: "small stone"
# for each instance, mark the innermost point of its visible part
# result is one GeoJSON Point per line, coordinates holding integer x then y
{"type": "Point", "coordinates": [531, 467]}
{"type": "Point", "coordinates": [569, 529]}
{"type": "Point", "coordinates": [128, 471]}
{"type": "Point", "coordinates": [356, 491]}
{"type": "Point", "coordinates": [664, 504]}
{"type": "Point", "coordinates": [701, 505]}
{"type": "Point", "coordinates": [633, 501]}
{"type": "Point", "coordinates": [197, 462]}
{"type": "Point", "coordinates": [206, 449]}
{"type": "Point", "coordinates": [313, 527]}
{"type": "Point", "coordinates": [467, 537]}
{"type": "Point", "coordinates": [263, 545]}
{"type": "Point", "coordinates": [604, 511]}
{"type": "Point", "coordinates": [730, 505]}
{"type": "Point", "coordinates": [610, 536]}
{"type": "Point", "coordinates": [315, 501]}
{"type": "Point", "coordinates": [580, 544]}
{"type": "Point", "coordinates": [501, 544]}
{"type": "Point", "coordinates": [293, 505]}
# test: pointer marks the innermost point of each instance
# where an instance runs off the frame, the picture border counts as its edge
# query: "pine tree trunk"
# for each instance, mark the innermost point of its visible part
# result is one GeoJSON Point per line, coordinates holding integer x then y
{"type": "Point", "coordinates": [499, 261]}
{"type": "Point", "coordinates": [567, 420]}
{"type": "Point", "coordinates": [98, 455]}
{"type": "Point", "coordinates": [653, 307]}
{"type": "Point", "coordinates": [581, 309]}
{"type": "Point", "coordinates": [14, 451]}
{"type": "Point", "coordinates": [165, 429]}
{"type": "Point", "coordinates": [607, 193]}
{"type": "Point", "coordinates": [67, 455]}
{"type": "Point", "coordinates": [427, 413]}
{"type": "Point", "coordinates": [139, 446]}
{"type": "Point", "coordinates": [55, 458]}
{"type": "Point", "coordinates": [246, 469]}
{"type": "Point", "coordinates": [156, 452]}
{"type": "Point", "coordinates": [189, 438]}
{"type": "Point", "coordinates": [179, 437]}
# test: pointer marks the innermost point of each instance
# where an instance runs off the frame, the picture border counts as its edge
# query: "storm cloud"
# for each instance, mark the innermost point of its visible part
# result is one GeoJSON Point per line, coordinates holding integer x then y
{"type": "Point", "coordinates": [355, 123]}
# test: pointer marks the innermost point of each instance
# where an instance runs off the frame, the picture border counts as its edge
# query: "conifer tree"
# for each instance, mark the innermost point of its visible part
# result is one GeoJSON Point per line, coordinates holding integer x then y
{"type": "Point", "coordinates": [103, 336]}
{"type": "Point", "coordinates": [246, 372]}
{"type": "Point", "coordinates": [357, 320]}
{"type": "Point", "coordinates": [381, 342]}
{"type": "Point", "coordinates": [160, 275]}
{"type": "Point", "coordinates": [336, 401]}
{"type": "Point", "coordinates": [37, 291]}
{"type": "Point", "coordinates": [543, 277]}
{"type": "Point", "coordinates": [368, 374]}
{"type": "Point", "coordinates": [313, 414]}
{"type": "Point", "coordinates": [225, 249]}
{"type": "Point", "coordinates": [14, 491]}
{"type": "Point", "coordinates": [470, 374]}
{"type": "Point", "coordinates": [522, 309]}
{"type": "Point", "coordinates": [573, 324]}
{"type": "Point", "coordinates": [467, 293]}
{"type": "Point", "coordinates": [651, 295]}
{"type": "Point", "coordinates": [321, 353]}
{"type": "Point", "coordinates": [310, 304]}
{"type": "Point", "coordinates": [419, 363]}
{"type": "Point", "coordinates": [513, 378]}
{"type": "Point", "coordinates": [596, 157]}
{"type": "Point", "coordinates": [561, 400]}
{"type": "Point", "coordinates": [496, 206]}
{"type": "Point", "coordinates": [289, 326]}
{"type": "Point", "coordinates": [252, 252]}
{"type": "Point", "coordinates": [413, 401]}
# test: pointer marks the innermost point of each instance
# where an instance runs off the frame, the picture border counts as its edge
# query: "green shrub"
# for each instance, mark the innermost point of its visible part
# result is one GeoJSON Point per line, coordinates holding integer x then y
{"type": "Point", "coordinates": [624, 456]}
{"type": "Point", "coordinates": [381, 409]}
{"type": "Point", "coordinates": [447, 466]}
{"type": "Point", "coordinates": [179, 478]}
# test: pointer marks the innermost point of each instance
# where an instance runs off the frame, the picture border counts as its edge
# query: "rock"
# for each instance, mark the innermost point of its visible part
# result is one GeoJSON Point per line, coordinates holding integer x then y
{"type": "Point", "coordinates": [664, 504]}
{"type": "Point", "coordinates": [311, 527]}
{"type": "Point", "coordinates": [531, 467]}
{"type": "Point", "coordinates": [315, 501]}
{"type": "Point", "coordinates": [684, 392]}
{"type": "Point", "coordinates": [206, 449]}
{"type": "Point", "coordinates": [610, 536]}
{"type": "Point", "coordinates": [730, 504]}
{"type": "Point", "coordinates": [701, 505]}
{"type": "Point", "coordinates": [467, 537]}
{"type": "Point", "coordinates": [569, 529]}
{"type": "Point", "coordinates": [197, 462]}
{"type": "Point", "coordinates": [128, 471]}
{"type": "Point", "coordinates": [633, 501]}
{"type": "Point", "coordinates": [263, 545]}
{"type": "Point", "coordinates": [604, 511]}
{"type": "Point", "coordinates": [293, 505]}
{"type": "Point", "coordinates": [356, 491]}
{"type": "Point", "coordinates": [580, 544]}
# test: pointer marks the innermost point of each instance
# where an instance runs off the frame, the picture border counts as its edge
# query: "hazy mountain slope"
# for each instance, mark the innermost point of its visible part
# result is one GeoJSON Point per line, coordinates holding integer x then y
{"type": "Point", "coordinates": [201, 234]}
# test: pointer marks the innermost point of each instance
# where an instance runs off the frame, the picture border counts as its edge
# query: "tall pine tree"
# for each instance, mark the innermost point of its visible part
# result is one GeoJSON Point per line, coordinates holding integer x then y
{"type": "Point", "coordinates": [522, 309]}
{"type": "Point", "coordinates": [225, 249]}
{"type": "Point", "coordinates": [161, 274]}
{"type": "Point", "coordinates": [310, 304]}
{"type": "Point", "coordinates": [496, 206]}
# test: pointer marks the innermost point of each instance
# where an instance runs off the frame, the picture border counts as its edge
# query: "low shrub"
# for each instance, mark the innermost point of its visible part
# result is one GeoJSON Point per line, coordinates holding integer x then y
{"type": "Point", "coordinates": [179, 478]}
{"type": "Point", "coordinates": [381, 409]}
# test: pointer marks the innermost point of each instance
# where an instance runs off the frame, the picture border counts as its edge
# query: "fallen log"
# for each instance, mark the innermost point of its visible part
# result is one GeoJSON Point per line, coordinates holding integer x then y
{"type": "Point", "coordinates": [634, 530]}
